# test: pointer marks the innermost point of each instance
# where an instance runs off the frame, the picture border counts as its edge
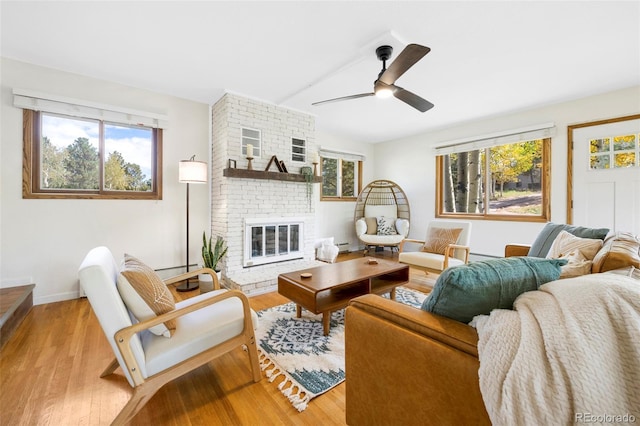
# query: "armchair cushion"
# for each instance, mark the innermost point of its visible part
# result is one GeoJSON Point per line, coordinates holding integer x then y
{"type": "Point", "coordinates": [382, 240]}
{"type": "Point", "coordinates": [361, 227]}
{"type": "Point", "coordinates": [438, 239]}
{"type": "Point", "coordinates": [402, 226]}
{"type": "Point", "coordinates": [145, 295]}
{"type": "Point", "coordinates": [428, 260]}
{"type": "Point", "coordinates": [478, 288]}
{"type": "Point", "coordinates": [545, 238]}
{"type": "Point", "coordinates": [196, 332]}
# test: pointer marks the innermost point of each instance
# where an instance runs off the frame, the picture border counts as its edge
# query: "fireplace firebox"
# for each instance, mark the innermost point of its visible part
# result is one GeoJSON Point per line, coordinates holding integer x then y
{"type": "Point", "coordinates": [272, 240]}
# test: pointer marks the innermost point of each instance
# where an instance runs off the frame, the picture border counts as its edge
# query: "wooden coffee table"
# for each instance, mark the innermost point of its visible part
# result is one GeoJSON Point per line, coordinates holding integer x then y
{"type": "Point", "coordinates": [330, 287]}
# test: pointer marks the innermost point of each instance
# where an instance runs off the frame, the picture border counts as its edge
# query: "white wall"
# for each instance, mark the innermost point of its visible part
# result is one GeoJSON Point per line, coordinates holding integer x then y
{"type": "Point", "coordinates": [335, 218]}
{"type": "Point", "coordinates": [44, 241]}
{"type": "Point", "coordinates": [410, 162]}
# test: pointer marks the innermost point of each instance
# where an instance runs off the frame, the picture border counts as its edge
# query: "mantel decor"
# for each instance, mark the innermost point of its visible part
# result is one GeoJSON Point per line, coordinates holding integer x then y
{"type": "Point", "coordinates": [279, 164]}
{"type": "Point", "coordinates": [258, 174]}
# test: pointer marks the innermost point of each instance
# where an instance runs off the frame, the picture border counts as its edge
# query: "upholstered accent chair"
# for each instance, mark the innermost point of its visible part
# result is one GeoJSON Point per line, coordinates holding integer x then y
{"type": "Point", "coordinates": [371, 234]}
{"type": "Point", "coordinates": [382, 215]}
{"type": "Point", "coordinates": [446, 244]}
{"type": "Point", "coordinates": [206, 326]}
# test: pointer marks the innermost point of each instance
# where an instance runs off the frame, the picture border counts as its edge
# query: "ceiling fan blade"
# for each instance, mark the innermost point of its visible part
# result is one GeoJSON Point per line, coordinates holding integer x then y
{"type": "Point", "coordinates": [412, 99]}
{"type": "Point", "coordinates": [405, 60]}
{"type": "Point", "coordinates": [343, 98]}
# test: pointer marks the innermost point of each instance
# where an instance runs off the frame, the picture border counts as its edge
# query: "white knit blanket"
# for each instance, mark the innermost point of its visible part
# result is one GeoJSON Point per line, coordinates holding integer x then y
{"type": "Point", "coordinates": [568, 353]}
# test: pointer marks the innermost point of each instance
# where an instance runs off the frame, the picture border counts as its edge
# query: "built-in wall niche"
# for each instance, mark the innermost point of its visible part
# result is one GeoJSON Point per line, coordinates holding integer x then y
{"type": "Point", "coordinates": [251, 143]}
{"type": "Point", "coordinates": [298, 150]}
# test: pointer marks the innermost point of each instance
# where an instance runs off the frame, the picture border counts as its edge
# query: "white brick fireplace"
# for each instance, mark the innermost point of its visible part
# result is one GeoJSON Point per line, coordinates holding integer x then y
{"type": "Point", "coordinates": [245, 200]}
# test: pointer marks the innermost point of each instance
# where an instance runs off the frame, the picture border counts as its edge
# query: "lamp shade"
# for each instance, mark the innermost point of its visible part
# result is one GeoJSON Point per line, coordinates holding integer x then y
{"type": "Point", "coordinates": [191, 171]}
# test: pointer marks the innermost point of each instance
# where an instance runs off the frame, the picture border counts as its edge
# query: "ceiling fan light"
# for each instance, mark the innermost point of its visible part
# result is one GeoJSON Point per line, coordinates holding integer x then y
{"type": "Point", "coordinates": [384, 93]}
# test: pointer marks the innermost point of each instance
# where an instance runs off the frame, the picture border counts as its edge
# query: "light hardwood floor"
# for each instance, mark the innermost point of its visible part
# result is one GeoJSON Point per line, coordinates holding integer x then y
{"type": "Point", "coordinates": [50, 368]}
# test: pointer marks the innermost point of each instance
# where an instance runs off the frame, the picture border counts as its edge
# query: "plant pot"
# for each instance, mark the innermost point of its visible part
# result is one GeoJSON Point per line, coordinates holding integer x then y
{"type": "Point", "coordinates": [206, 283]}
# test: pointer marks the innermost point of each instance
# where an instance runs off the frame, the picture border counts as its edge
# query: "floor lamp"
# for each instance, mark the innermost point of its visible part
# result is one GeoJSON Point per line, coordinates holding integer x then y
{"type": "Point", "coordinates": [190, 171]}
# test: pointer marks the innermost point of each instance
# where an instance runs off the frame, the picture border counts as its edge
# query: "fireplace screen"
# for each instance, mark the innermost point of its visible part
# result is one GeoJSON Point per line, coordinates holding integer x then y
{"type": "Point", "coordinates": [272, 242]}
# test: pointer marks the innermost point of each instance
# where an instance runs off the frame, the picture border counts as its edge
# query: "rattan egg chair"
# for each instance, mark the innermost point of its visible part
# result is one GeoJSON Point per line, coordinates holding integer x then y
{"type": "Point", "coordinates": [382, 215]}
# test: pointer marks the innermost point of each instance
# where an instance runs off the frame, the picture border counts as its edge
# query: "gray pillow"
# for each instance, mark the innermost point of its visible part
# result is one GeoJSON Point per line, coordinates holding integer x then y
{"type": "Point", "coordinates": [542, 244]}
{"type": "Point", "coordinates": [462, 292]}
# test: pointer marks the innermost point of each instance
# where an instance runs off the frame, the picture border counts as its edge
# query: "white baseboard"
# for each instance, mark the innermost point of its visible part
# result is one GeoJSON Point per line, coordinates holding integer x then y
{"type": "Point", "coordinates": [59, 297]}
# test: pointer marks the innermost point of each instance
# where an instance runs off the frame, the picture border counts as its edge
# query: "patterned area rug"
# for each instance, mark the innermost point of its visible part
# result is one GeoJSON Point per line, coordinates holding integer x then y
{"type": "Point", "coordinates": [294, 351]}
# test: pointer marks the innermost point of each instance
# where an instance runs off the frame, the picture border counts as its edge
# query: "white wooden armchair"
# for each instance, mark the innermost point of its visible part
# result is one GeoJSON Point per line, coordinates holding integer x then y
{"type": "Point", "coordinates": [447, 254]}
{"type": "Point", "coordinates": [207, 326]}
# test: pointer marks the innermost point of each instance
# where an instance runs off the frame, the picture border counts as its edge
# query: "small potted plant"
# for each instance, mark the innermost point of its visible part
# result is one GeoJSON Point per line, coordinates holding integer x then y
{"type": "Point", "coordinates": [211, 256]}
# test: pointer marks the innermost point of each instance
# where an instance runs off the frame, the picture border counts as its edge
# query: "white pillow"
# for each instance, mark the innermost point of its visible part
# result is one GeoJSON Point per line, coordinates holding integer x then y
{"type": "Point", "coordinates": [567, 244]}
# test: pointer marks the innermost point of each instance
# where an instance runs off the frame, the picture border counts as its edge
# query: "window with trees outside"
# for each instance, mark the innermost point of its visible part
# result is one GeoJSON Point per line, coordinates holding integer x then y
{"type": "Point", "coordinates": [341, 179]}
{"type": "Point", "coordinates": [71, 157]}
{"type": "Point", "coordinates": [504, 182]}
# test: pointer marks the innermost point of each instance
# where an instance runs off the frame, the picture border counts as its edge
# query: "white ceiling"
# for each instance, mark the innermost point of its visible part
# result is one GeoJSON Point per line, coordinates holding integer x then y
{"type": "Point", "coordinates": [486, 59]}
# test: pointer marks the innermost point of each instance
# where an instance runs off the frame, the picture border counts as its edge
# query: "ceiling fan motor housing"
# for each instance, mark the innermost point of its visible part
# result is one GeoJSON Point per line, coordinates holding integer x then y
{"type": "Point", "coordinates": [384, 52]}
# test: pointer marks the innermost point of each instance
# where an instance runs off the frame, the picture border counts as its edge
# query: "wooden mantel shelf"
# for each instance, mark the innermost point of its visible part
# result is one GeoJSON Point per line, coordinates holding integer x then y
{"type": "Point", "coordinates": [258, 174]}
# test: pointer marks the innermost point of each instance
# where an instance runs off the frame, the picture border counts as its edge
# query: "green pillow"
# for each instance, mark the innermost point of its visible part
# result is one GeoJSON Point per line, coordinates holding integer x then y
{"type": "Point", "coordinates": [464, 291]}
{"type": "Point", "coordinates": [545, 238]}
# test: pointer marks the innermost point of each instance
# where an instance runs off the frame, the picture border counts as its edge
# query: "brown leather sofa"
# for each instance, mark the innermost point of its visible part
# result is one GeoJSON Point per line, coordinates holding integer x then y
{"type": "Point", "coordinates": [405, 366]}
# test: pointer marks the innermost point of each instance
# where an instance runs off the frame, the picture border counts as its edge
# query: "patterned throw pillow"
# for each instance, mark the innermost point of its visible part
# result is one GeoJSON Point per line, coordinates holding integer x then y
{"type": "Point", "coordinates": [565, 244]}
{"type": "Point", "coordinates": [620, 250]}
{"type": "Point", "coordinates": [439, 238]}
{"type": "Point", "coordinates": [145, 295]}
{"type": "Point", "coordinates": [386, 225]}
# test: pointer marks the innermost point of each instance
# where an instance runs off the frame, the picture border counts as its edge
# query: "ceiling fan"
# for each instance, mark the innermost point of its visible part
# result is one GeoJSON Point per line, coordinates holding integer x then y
{"type": "Point", "coordinates": [385, 86]}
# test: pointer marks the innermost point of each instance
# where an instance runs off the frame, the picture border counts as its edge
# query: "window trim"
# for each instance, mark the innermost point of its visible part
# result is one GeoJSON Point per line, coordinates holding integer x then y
{"type": "Point", "coordinates": [31, 170]}
{"type": "Point", "coordinates": [545, 187]}
{"type": "Point", "coordinates": [339, 185]}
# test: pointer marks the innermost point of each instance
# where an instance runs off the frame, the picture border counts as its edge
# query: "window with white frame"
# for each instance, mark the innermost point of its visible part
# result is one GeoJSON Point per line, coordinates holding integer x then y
{"type": "Point", "coordinates": [341, 175]}
{"type": "Point", "coordinates": [298, 150]}
{"type": "Point", "coordinates": [251, 143]}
